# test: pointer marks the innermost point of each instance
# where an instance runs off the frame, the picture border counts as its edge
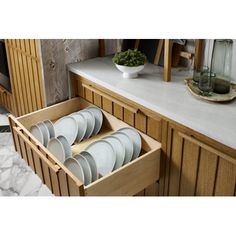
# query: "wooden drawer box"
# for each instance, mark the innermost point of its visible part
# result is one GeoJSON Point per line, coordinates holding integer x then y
{"type": "Point", "coordinates": [127, 180]}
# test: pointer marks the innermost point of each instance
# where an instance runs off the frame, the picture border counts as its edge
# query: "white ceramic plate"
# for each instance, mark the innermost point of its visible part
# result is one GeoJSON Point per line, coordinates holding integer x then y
{"type": "Point", "coordinates": [82, 125]}
{"type": "Point", "coordinates": [98, 118]}
{"type": "Point", "coordinates": [37, 133]}
{"type": "Point", "coordinates": [67, 127]}
{"type": "Point", "coordinates": [119, 149]}
{"type": "Point", "coordinates": [66, 146]}
{"type": "Point", "coordinates": [92, 164]}
{"type": "Point", "coordinates": [136, 139]}
{"type": "Point", "coordinates": [56, 148]}
{"type": "Point", "coordinates": [86, 168]}
{"type": "Point", "coordinates": [90, 122]}
{"type": "Point", "coordinates": [104, 156]}
{"type": "Point", "coordinates": [124, 138]}
{"type": "Point", "coordinates": [74, 166]}
{"type": "Point", "coordinates": [45, 132]}
{"type": "Point", "coordinates": [50, 128]}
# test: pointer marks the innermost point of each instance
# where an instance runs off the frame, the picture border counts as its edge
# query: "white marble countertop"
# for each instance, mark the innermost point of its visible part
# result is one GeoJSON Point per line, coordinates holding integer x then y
{"type": "Point", "coordinates": [173, 100]}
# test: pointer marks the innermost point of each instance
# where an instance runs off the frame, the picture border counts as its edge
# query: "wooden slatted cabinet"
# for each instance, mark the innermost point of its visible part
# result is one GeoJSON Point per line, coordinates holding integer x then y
{"type": "Point", "coordinates": [193, 168]}
{"type": "Point", "coordinates": [191, 164]}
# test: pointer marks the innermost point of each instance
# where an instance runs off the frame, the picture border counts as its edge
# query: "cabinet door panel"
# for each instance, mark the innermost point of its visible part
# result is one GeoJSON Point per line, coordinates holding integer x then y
{"type": "Point", "coordinates": [194, 168]}
{"type": "Point", "coordinates": [225, 179]}
{"type": "Point", "coordinates": [206, 173]}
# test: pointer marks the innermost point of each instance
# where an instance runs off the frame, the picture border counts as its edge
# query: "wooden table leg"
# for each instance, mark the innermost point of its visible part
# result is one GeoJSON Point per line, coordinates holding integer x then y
{"type": "Point", "coordinates": [198, 53]}
{"type": "Point", "coordinates": [167, 59]}
{"type": "Point", "coordinates": [101, 47]}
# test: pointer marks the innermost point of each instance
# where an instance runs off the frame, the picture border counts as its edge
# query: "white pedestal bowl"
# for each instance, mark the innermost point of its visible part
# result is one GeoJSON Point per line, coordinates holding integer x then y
{"type": "Point", "coordinates": [130, 71]}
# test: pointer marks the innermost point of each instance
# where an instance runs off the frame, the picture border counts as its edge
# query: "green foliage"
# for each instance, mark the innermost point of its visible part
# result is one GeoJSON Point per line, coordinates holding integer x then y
{"type": "Point", "coordinates": [130, 58]}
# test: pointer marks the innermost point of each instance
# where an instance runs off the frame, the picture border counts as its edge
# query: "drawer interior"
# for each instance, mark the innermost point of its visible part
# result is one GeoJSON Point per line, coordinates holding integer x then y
{"type": "Point", "coordinates": [127, 180]}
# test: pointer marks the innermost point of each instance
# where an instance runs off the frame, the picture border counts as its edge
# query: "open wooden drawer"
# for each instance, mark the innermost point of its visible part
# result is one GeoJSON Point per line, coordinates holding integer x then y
{"type": "Point", "coordinates": [127, 180]}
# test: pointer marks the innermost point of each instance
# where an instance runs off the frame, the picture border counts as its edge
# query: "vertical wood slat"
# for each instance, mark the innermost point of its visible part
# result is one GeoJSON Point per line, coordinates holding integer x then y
{"type": "Point", "coordinates": [128, 117]}
{"type": "Point", "coordinates": [175, 166]}
{"type": "Point", "coordinates": [168, 160]}
{"type": "Point", "coordinates": [55, 183]}
{"type": "Point", "coordinates": [73, 188]}
{"type": "Point", "coordinates": [225, 179]}
{"type": "Point", "coordinates": [63, 183]}
{"type": "Point", "coordinates": [36, 75]}
{"type": "Point", "coordinates": [31, 77]}
{"type": "Point", "coordinates": [141, 122]}
{"type": "Point", "coordinates": [10, 60]}
{"type": "Point", "coordinates": [107, 105]}
{"type": "Point", "coordinates": [189, 168]}
{"type": "Point", "coordinates": [88, 95]}
{"type": "Point", "coordinates": [46, 175]}
{"type": "Point", "coordinates": [40, 75]}
{"type": "Point", "coordinates": [38, 165]}
{"type": "Point", "coordinates": [22, 77]}
{"type": "Point", "coordinates": [118, 111]}
{"type": "Point", "coordinates": [19, 98]}
{"type": "Point", "coordinates": [26, 76]}
{"type": "Point", "coordinates": [97, 99]}
{"type": "Point", "coordinates": [154, 128]}
{"type": "Point", "coordinates": [30, 158]}
{"type": "Point", "coordinates": [23, 150]}
{"type": "Point", "coordinates": [206, 173]}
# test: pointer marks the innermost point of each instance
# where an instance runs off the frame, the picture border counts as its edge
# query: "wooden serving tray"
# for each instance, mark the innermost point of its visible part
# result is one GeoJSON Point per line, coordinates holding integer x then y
{"type": "Point", "coordinates": [214, 97]}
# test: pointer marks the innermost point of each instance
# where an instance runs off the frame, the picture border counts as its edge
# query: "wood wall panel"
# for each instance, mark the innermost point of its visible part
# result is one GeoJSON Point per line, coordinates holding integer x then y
{"type": "Point", "coordinates": [25, 71]}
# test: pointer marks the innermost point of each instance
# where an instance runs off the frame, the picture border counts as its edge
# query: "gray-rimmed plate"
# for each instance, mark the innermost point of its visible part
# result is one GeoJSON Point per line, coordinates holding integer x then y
{"type": "Point", "coordinates": [104, 156]}
{"type": "Point", "coordinates": [136, 139]}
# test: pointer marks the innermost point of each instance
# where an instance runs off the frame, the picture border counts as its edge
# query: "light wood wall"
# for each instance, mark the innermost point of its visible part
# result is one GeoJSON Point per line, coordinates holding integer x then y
{"type": "Point", "coordinates": [26, 75]}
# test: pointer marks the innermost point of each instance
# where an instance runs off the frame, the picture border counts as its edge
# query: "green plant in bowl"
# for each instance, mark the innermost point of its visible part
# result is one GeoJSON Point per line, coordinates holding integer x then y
{"type": "Point", "coordinates": [130, 62]}
{"type": "Point", "coordinates": [130, 58]}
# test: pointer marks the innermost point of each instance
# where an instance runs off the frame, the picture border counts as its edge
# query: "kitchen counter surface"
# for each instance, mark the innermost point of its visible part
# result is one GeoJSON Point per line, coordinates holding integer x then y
{"type": "Point", "coordinates": [172, 100]}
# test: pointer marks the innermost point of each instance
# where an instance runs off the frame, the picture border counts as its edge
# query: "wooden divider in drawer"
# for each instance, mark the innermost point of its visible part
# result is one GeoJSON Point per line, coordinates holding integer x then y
{"type": "Point", "coordinates": [127, 180]}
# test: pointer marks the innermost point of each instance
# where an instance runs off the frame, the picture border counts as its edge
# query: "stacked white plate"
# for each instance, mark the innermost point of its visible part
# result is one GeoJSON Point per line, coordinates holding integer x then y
{"type": "Point", "coordinates": [106, 155]}
{"type": "Point", "coordinates": [59, 137]}
{"type": "Point", "coordinates": [43, 131]}
{"type": "Point", "coordinates": [80, 125]}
